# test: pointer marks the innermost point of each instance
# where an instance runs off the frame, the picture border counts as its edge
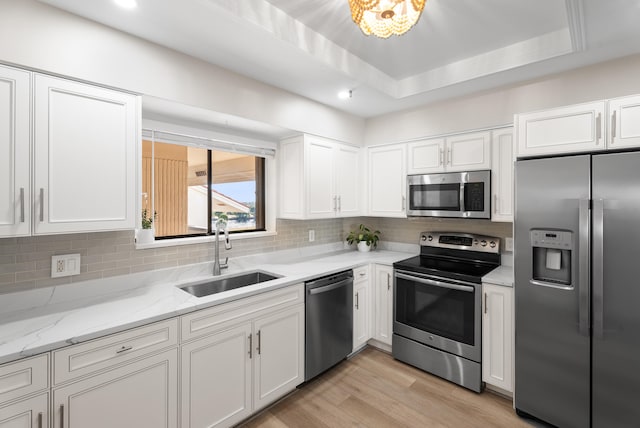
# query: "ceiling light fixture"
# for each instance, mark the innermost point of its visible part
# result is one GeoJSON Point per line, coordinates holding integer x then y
{"type": "Point", "coordinates": [127, 4]}
{"type": "Point", "coordinates": [386, 17]}
{"type": "Point", "coordinates": [343, 95]}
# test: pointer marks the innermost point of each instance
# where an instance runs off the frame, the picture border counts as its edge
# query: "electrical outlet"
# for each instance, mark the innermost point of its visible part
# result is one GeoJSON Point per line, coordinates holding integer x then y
{"type": "Point", "coordinates": [508, 244]}
{"type": "Point", "coordinates": [312, 235]}
{"type": "Point", "coordinates": [65, 265]}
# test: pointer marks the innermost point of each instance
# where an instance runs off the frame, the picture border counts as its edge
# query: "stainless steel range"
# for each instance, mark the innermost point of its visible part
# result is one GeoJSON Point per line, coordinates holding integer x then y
{"type": "Point", "coordinates": [437, 310]}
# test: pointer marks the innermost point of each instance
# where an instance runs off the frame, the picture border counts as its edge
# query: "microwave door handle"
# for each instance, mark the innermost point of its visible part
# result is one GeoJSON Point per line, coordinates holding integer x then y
{"type": "Point", "coordinates": [462, 207]}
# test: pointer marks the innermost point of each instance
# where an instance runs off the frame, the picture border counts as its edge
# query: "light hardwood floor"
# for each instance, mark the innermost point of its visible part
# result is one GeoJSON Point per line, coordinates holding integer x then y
{"type": "Point", "coordinates": [374, 390]}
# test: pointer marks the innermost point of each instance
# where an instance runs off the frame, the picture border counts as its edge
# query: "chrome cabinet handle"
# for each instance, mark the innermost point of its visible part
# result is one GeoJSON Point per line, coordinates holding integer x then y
{"type": "Point", "coordinates": [613, 126]}
{"type": "Point", "coordinates": [339, 203]}
{"type": "Point", "coordinates": [22, 205]}
{"type": "Point", "coordinates": [598, 128]}
{"type": "Point", "coordinates": [388, 281]}
{"type": "Point", "coordinates": [124, 349]}
{"type": "Point", "coordinates": [495, 204]}
{"type": "Point", "coordinates": [250, 346]}
{"type": "Point", "coordinates": [404, 203]}
{"type": "Point", "coordinates": [441, 157]}
{"type": "Point", "coordinates": [357, 306]}
{"type": "Point", "coordinates": [449, 160]}
{"type": "Point", "coordinates": [259, 342]}
{"type": "Point", "coordinates": [62, 416]}
{"type": "Point", "coordinates": [41, 204]}
{"type": "Point", "coordinates": [485, 303]}
{"type": "Point", "coordinates": [40, 420]}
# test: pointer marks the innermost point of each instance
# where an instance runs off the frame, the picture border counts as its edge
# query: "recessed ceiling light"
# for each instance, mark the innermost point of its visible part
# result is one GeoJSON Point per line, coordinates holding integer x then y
{"type": "Point", "coordinates": [127, 4]}
{"type": "Point", "coordinates": [343, 95]}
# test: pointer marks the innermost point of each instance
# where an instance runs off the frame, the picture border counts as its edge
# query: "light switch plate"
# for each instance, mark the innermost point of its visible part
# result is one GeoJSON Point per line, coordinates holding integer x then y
{"type": "Point", "coordinates": [312, 235]}
{"type": "Point", "coordinates": [65, 265]}
{"type": "Point", "coordinates": [508, 244]}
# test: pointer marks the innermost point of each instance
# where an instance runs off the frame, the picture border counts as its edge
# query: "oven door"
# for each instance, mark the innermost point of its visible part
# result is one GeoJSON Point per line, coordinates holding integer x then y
{"type": "Point", "coordinates": [438, 312]}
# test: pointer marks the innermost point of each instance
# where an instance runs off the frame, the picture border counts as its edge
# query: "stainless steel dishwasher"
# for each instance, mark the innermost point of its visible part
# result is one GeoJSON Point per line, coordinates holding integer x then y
{"type": "Point", "coordinates": [329, 322]}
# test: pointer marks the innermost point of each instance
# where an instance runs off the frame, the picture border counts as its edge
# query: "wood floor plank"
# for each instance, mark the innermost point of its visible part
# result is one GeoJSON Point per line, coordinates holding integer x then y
{"type": "Point", "coordinates": [373, 390]}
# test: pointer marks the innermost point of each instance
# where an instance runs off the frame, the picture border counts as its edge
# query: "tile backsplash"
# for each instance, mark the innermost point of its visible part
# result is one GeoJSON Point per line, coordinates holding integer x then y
{"type": "Point", "coordinates": [25, 263]}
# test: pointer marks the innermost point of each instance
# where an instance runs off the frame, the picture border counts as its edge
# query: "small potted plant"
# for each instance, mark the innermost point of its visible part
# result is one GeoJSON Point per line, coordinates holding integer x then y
{"type": "Point", "coordinates": [365, 239]}
{"type": "Point", "coordinates": [145, 235]}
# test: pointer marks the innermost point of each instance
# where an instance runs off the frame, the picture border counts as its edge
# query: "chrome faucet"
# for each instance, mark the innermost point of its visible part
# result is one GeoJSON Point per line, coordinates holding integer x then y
{"type": "Point", "coordinates": [217, 266]}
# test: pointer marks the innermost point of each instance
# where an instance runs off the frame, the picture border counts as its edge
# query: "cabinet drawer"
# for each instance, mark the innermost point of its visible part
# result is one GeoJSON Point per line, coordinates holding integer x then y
{"type": "Point", "coordinates": [79, 360]}
{"type": "Point", "coordinates": [361, 274]}
{"type": "Point", "coordinates": [24, 377]}
{"type": "Point", "coordinates": [223, 316]}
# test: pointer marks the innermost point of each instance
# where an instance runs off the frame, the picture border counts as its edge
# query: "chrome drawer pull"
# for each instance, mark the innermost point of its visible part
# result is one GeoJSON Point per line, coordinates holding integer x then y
{"type": "Point", "coordinates": [124, 349]}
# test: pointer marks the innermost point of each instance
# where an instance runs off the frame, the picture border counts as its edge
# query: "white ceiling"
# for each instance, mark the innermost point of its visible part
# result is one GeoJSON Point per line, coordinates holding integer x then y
{"type": "Point", "coordinates": [312, 48]}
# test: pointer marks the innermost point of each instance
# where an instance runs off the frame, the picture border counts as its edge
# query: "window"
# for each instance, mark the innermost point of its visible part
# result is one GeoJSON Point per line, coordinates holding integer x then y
{"type": "Point", "coordinates": [191, 185]}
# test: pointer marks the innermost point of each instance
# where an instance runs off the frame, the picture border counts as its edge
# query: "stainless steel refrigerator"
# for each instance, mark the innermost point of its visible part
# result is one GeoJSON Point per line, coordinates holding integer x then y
{"type": "Point", "coordinates": [577, 290]}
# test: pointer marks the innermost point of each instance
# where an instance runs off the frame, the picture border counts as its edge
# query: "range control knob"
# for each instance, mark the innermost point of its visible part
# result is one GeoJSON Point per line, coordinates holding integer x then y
{"type": "Point", "coordinates": [492, 244]}
{"type": "Point", "coordinates": [430, 238]}
{"type": "Point", "coordinates": [483, 243]}
{"type": "Point", "coordinates": [423, 237]}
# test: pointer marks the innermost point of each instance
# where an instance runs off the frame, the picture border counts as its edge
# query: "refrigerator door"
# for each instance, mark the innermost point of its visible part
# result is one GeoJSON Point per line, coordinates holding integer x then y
{"type": "Point", "coordinates": [616, 290]}
{"type": "Point", "coordinates": [552, 344]}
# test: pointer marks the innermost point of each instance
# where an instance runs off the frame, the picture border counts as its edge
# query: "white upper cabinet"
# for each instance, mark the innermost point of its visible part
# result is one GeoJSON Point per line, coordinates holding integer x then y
{"type": "Point", "coordinates": [502, 175]}
{"type": "Point", "coordinates": [387, 181]}
{"type": "Point", "coordinates": [85, 140]}
{"type": "Point", "coordinates": [467, 152]}
{"type": "Point", "coordinates": [463, 152]}
{"type": "Point", "coordinates": [319, 178]}
{"type": "Point", "coordinates": [15, 186]}
{"type": "Point", "coordinates": [425, 156]}
{"type": "Point", "coordinates": [624, 122]}
{"type": "Point", "coordinates": [577, 128]}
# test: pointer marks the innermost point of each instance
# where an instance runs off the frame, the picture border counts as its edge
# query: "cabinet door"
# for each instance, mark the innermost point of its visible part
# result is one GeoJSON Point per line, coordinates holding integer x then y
{"type": "Point", "coordinates": [624, 127]}
{"type": "Point", "coordinates": [291, 168]}
{"type": "Point", "coordinates": [321, 198]}
{"type": "Point", "coordinates": [216, 379]}
{"type": "Point", "coordinates": [347, 163]}
{"type": "Point", "coordinates": [497, 333]}
{"type": "Point", "coordinates": [29, 413]}
{"type": "Point", "coordinates": [577, 128]}
{"type": "Point", "coordinates": [279, 350]}
{"type": "Point", "coordinates": [361, 313]}
{"type": "Point", "coordinates": [15, 190]}
{"type": "Point", "coordinates": [467, 152]}
{"type": "Point", "coordinates": [502, 175]}
{"type": "Point", "coordinates": [384, 303]}
{"type": "Point", "coordinates": [85, 140]}
{"type": "Point", "coordinates": [425, 156]}
{"type": "Point", "coordinates": [387, 181]}
{"type": "Point", "coordinates": [143, 394]}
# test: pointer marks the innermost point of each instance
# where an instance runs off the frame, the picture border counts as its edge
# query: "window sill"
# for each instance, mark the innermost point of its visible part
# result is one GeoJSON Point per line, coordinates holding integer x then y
{"type": "Point", "coordinates": [200, 240]}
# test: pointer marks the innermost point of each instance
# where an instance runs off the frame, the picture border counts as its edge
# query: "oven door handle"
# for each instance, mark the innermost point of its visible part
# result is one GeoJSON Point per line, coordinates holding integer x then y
{"type": "Point", "coordinates": [466, 288]}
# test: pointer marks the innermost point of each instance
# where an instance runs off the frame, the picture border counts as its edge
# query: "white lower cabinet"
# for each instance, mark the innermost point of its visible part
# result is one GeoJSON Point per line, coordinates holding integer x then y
{"type": "Point", "coordinates": [361, 307]}
{"type": "Point", "coordinates": [497, 336]}
{"type": "Point", "coordinates": [141, 394]}
{"type": "Point", "coordinates": [28, 413]}
{"type": "Point", "coordinates": [383, 289]}
{"type": "Point", "coordinates": [228, 375]}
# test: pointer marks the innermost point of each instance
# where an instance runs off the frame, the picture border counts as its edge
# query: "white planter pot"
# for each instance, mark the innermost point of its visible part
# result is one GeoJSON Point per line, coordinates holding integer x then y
{"type": "Point", "coordinates": [363, 247]}
{"type": "Point", "coordinates": [144, 236]}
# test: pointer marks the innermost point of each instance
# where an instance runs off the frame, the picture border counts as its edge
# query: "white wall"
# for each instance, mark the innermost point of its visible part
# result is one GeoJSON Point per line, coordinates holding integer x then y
{"type": "Point", "coordinates": [39, 36]}
{"type": "Point", "coordinates": [607, 80]}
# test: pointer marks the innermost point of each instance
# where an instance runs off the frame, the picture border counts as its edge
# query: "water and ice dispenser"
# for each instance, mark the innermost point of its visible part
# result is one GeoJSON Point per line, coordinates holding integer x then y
{"type": "Point", "coordinates": [552, 250]}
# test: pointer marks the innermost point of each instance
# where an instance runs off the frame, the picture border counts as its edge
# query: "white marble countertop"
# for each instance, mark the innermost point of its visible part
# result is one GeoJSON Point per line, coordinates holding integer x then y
{"type": "Point", "coordinates": [502, 275]}
{"type": "Point", "coordinates": [37, 321]}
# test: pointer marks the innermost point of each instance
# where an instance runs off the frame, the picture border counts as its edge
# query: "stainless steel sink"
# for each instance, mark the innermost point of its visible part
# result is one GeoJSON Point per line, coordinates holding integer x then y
{"type": "Point", "coordinates": [218, 285]}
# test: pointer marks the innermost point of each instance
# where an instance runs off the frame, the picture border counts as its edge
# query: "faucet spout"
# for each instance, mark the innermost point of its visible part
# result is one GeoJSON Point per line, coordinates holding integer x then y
{"type": "Point", "coordinates": [217, 266]}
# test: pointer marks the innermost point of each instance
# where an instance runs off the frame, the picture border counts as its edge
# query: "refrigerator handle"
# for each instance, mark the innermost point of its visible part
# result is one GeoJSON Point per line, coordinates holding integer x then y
{"type": "Point", "coordinates": [598, 267]}
{"type": "Point", "coordinates": [583, 267]}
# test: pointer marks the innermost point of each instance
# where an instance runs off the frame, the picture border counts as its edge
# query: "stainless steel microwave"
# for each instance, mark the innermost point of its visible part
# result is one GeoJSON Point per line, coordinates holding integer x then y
{"type": "Point", "coordinates": [451, 194]}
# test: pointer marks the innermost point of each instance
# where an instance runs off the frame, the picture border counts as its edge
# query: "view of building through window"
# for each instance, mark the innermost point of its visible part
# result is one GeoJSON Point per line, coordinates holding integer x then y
{"type": "Point", "coordinates": [183, 179]}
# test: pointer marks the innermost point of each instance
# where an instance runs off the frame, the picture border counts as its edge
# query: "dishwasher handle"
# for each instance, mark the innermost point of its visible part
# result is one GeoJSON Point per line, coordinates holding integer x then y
{"type": "Point", "coordinates": [330, 287]}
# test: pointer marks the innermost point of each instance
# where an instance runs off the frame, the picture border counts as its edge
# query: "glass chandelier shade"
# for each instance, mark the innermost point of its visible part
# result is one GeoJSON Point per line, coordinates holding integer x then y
{"type": "Point", "coordinates": [383, 18]}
